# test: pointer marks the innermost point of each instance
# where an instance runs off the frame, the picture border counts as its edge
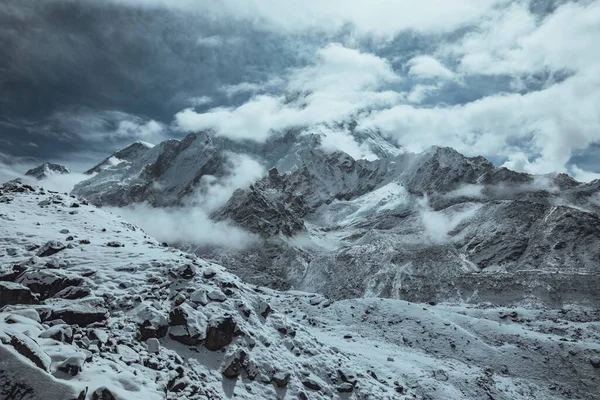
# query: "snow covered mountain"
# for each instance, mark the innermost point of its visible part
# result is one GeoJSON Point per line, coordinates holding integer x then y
{"type": "Point", "coordinates": [435, 226]}
{"type": "Point", "coordinates": [481, 234]}
{"type": "Point", "coordinates": [93, 308]}
{"type": "Point", "coordinates": [47, 169]}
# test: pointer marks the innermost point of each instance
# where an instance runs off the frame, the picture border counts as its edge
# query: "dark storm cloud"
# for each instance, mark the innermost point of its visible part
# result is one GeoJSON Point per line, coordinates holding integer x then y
{"type": "Point", "coordinates": [61, 58]}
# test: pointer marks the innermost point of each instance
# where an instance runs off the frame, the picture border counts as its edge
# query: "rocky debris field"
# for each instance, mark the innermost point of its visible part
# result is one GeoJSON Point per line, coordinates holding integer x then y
{"type": "Point", "coordinates": [93, 308]}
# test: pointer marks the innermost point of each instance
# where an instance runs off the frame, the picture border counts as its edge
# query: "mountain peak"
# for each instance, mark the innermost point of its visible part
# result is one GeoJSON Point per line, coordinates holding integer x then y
{"type": "Point", "coordinates": [43, 171]}
{"type": "Point", "coordinates": [128, 153]}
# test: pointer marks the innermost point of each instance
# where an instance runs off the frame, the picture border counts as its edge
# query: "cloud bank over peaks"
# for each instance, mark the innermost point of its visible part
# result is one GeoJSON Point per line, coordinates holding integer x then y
{"type": "Point", "coordinates": [341, 82]}
{"type": "Point", "coordinates": [551, 111]}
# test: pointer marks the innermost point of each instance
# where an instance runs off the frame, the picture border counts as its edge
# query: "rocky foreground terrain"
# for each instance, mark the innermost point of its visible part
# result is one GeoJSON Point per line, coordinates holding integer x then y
{"type": "Point", "coordinates": [93, 308]}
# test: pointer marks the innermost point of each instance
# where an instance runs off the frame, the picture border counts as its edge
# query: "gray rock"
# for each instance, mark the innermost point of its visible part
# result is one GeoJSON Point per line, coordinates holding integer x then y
{"type": "Point", "coordinates": [220, 334]}
{"type": "Point", "coordinates": [28, 348]}
{"type": "Point", "coordinates": [14, 293]}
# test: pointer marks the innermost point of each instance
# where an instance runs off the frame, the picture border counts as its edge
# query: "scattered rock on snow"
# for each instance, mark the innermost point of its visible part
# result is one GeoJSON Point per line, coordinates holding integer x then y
{"type": "Point", "coordinates": [50, 248]}
{"type": "Point", "coordinates": [47, 282]}
{"type": "Point", "coordinates": [345, 387]}
{"type": "Point", "coordinates": [73, 293]}
{"type": "Point", "coordinates": [188, 326]}
{"type": "Point", "coordinates": [209, 273]}
{"type": "Point", "coordinates": [187, 271]}
{"type": "Point", "coordinates": [265, 309]}
{"type": "Point", "coordinates": [233, 366]}
{"type": "Point", "coordinates": [62, 333]}
{"type": "Point", "coordinates": [440, 375]}
{"type": "Point", "coordinates": [199, 296]}
{"type": "Point", "coordinates": [151, 322]}
{"type": "Point", "coordinates": [281, 379]}
{"type": "Point", "coordinates": [311, 384]}
{"type": "Point", "coordinates": [217, 295]}
{"type": "Point", "coordinates": [103, 394]}
{"type": "Point", "coordinates": [80, 314]}
{"type": "Point", "coordinates": [72, 365]}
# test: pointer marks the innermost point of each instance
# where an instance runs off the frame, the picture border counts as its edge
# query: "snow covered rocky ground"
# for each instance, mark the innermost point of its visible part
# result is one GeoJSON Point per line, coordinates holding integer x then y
{"type": "Point", "coordinates": [93, 308]}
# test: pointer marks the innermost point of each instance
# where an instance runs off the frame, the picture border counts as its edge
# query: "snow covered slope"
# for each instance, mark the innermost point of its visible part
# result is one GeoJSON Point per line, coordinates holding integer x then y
{"type": "Point", "coordinates": [92, 303]}
{"type": "Point", "coordinates": [93, 308]}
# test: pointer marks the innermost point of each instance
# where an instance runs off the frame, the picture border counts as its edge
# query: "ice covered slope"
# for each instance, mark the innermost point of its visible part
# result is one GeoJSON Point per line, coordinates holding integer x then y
{"type": "Point", "coordinates": [463, 352]}
{"type": "Point", "coordinates": [91, 304]}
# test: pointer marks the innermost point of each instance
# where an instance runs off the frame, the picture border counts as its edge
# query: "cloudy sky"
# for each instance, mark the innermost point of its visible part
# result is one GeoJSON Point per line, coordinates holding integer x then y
{"type": "Point", "coordinates": [517, 81]}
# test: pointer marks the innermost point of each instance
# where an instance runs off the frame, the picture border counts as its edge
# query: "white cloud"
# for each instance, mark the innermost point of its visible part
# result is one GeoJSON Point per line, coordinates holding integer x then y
{"type": "Point", "coordinates": [437, 224]}
{"type": "Point", "coordinates": [200, 100]}
{"type": "Point", "coordinates": [62, 183]}
{"type": "Point", "coordinates": [185, 226]}
{"type": "Point", "coordinates": [428, 67]}
{"type": "Point", "coordinates": [341, 82]}
{"type": "Point", "coordinates": [191, 223]}
{"type": "Point", "coordinates": [419, 93]}
{"type": "Point", "coordinates": [217, 41]}
{"type": "Point", "coordinates": [15, 168]}
{"type": "Point", "coordinates": [582, 175]}
{"type": "Point", "coordinates": [516, 42]}
{"type": "Point", "coordinates": [242, 170]}
{"type": "Point", "coordinates": [537, 131]}
{"type": "Point", "coordinates": [150, 130]}
{"type": "Point", "coordinates": [248, 87]}
{"type": "Point", "coordinates": [100, 126]}
{"type": "Point", "coordinates": [210, 41]}
{"type": "Point", "coordinates": [8, 172]}
{"type": "Point", "coordinates": [341, 140]}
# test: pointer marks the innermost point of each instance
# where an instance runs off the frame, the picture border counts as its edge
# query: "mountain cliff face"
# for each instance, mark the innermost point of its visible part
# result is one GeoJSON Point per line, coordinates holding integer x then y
{"type": "Point", "coordinates": [161, 175]}
{"type": "Point", "coordinates": [434, 226]}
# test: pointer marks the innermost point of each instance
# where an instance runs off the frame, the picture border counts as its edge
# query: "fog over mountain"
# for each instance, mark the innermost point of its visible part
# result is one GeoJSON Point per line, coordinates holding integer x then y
{"type": "Point", "coordinates": [267, 199]}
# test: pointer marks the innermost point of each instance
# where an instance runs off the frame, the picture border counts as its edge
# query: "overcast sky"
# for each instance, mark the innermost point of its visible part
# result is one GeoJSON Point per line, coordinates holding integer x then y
{"type": "Point", "coordinates": [516, 81]}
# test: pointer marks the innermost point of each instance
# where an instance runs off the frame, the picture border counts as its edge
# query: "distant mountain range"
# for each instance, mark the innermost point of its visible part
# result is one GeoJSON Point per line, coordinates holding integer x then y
{"type": "Point", "coordinates": [434, 226]}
